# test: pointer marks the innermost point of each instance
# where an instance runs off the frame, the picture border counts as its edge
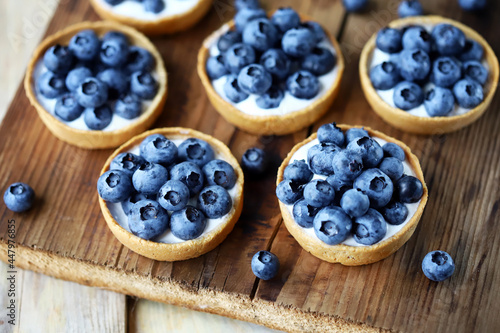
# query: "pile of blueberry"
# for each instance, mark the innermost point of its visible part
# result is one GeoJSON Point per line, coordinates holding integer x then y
{"type": "Point", "coordinates": [269, 57]}
{"type": "Point", "coordinates": [350, 185]}
{"type": "Point", "coordinates": [437, 69]}
{"type": "Point", "coordinates": [98, 78]}
{"type": "Point", "coordinates": [152, 6]}
{"type": "Point", "coordinates": [166, 186]}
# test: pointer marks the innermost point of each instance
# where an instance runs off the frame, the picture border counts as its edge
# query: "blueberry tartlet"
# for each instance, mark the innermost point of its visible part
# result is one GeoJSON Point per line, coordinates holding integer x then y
{"type": "Point", "coordinates": [171, 194]}
{"type": "Point", "coordinates": [351, 195]}
{"type": "Point", "coordinates": [97, 84]}
{"type": "Point", "coordinates": [271, 74]}
{"type": "Point", "coordinates": [428, 74]}
{"type": "Point", "coordinates": [153, 17]}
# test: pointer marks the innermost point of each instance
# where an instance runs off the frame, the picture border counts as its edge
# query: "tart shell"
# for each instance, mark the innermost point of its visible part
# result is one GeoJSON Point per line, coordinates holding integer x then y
{"type": "Point", "coordinates": [274, 124]}
{"type": "Point", "coordinates": [187, 249]}
{"type": "Point", "coordinates": [427, 125]}
{"type": "Point", "coordinates": [354, 255]}
{"type": "Point", "coordinates": [98, 139]}
{"type": "Point", "coordinates": [163, 25]}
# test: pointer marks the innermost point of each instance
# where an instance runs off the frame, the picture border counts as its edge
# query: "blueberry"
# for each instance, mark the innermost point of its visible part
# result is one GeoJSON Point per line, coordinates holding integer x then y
{"type": "Point", "coordinates": [214, 201]}
{"type": "Point", "coordinates": [355, 5]}
{"type": "Point", "coordinates": [475, 70]}
{"type": "Point", "coordinates": [355, 203]}
{"type": "Point", "coordinates": [285, 18]}
{"type": "Point", "coordinates": [76, 77]}
{"type": "Point", "coordinates": [188, 223]}
{"type": "Point", "coordinates": [370, 228]}
{"type": "Point", "coordinates": [409, 189]}
{"type": "Point", "coordinates": [160, 150]}
{"type": "Point", "coordinates": [298, 42]}
{"type": "Point", "coordinates": [114, 186]}
{"type": "Point", "coordinates": [369, 149]}
{"type": "Point", "coordinates": [303, 85]}
{"type": "Point", "coordinates": [415, 64]}
{"type": "Point", "coordinates": [392, 167]}
{"type": "Point", "coordinates": [190, 174]}
{"type": "Point", "coordinates": [265, 265]}
{"type": "Point", "coordinates": [319, 193]}
{"type": "Point", "coordinates": [98, 118]}
{"type": "Point", "coordinates": [115, 35]}
{"type": "Point", "coordinates": [276, 62]}
{"type": "Point", "coordinates": [241, 4]}
{"type": "Point", "coordinates": [316, 29]}
{"type": "Point", "coordinates": [376, 185]}
{"type": "Point", "coordinates": [473, 5]}
{"type": "Point", "coordinates": [216, 67]}
{"type": "Point", "coordinates": [410, 8]}
{"type": "Point", "coordinates": [448, 40]}
{"type": "Point", "coordinates": [126, 162]}
{"type": "Point", "coordinates": [51, 85]}
{"type": "Point", "coordinates": [146, 141]}
{"type": "Point", "coordinates": [85, 45]}
{"type": "Point", "coordinates": [289, 191]}
{"type": "Point", "coordinates": [58, 59]}
{"type": "Point", "coordinates": [439, 102]}
{"type": "Point", "coordinates": [254, 79]}
{"type": "Point", "coordinates": [385, 76]}
{"type": "Point", "coordinates": [393, 150]}
{"type": "Point", "coordinates": [468, 93]}
{"type": "Point", "coordinates": [116, 81]}
{"type": "Point", "coordinates": [438, 266]}
{"type": "Point", "coordinates": [319, 62]}
{"type": "Point", "coordinates": [395, 213]}
{"type": "Point", "coordinates": [341, 186]}
{"type": "Point", "coordinates": [134, 198]}
{"type": "Point", "coordinates": [331, 133]}
{"type": "Point", "coordinates": [238, 56]}
{"type": "Point", "coordinates": [173, 195]}
{"type": "Point", "coordinates": [114, 2]}
{"type": "Point", "coordinates": [304, 214]}
{"type": "Point", "coordinates": [144, 85]}
{"type": "Point", "coordinates": [19, 197]}
{"type": "Point", "coordinates": [319, 158]}
{"type": "Point", "coordinates": [148, 219]}
{"type": "Point", "coordinates": [445, 72]}
{"type": "Point", "coordinates": [114, 52]}
{"type": "Point", "coordinates": [228, 39]}
{"type": "Point", "coordinates": [332, 225]}
{"type": "Point", "coordinates": [139, 60]}
{"type": "Point", "coordinates": [347, 165]}
{"type": "Point", "coordinates": [149, 178]}
{"type": "Point", "coordinates": [270, 99]}
{"type": "Point", "coordinates": [254, 161]}
{"type": "Point", "coordinates": [298, 171]}
{"type": "Point", "coordinates": [219, 172]}
{"type": "Point", "coordinates": [472, 51]}
{"type": "Point", "coordinates": [196, 151]}
{"type": "Point", "coordinates": [355, 133]}
{"type": "Point", "coordinates": [233, 91]}
{"type": "Point", "coordinates": [389, 40]}
{"type": "Point", "coordinates": [246, 15]}
{"type": "Point", "coordinates": [92, 93]}
{"type": "Point", "coordinates": [154, 6]}
{"type": "Point", "coordinates": [417, 38]}
{"type": "Point", "coordinates": [260, 34]}
{"type": "Point", "coordinates": [408, 95]}
{"type": "Point", "coordinates": [67, 108]}
{"type": "Point", "coordinates": [128, 106]}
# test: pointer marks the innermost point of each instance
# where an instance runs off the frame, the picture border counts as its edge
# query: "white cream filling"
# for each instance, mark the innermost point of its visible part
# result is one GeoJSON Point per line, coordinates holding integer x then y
{"type": "Point", "coordinates": [289, 103]}
{"type": "Point", "coordinates": [135, 9]}
{"type": "Point", "coordinates": [379, 56]}
{"type": "Point", "coordinates": [121, 218]}
{"type": "Point", "coordinates": [301, 154]}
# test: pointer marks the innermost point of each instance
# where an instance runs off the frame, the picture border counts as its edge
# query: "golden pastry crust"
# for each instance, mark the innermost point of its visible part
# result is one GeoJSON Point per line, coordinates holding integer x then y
{"type": "Point", "coordinates": [97, 139]}
{"type": "Point", "coordinates": [162, 25]}
{"type": "Point", "coordinates": [274, 124]}
{"type": "Point", "coordinates": [427, 125]}
{"type": "Point", "coordinates": [188, 249]}
{"type": "Point", "coordinates": [354, 255]}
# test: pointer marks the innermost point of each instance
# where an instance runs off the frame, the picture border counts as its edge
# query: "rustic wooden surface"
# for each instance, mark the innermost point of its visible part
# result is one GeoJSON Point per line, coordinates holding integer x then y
{"type": "Point", "coordinates": [461, 170]}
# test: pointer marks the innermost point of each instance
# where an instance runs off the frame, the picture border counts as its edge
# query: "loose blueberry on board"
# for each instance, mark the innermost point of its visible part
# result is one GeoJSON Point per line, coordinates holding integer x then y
{"type": "Point", "coordinates": [355, 5]}
{"type": "Point", "coordinates": [347, 165]}
{"type": "Point", "coordinates": [355, 133]}
{"type": "Point", "coordinates": [238, 56]}
{"type": "Point", "coordinates": [154, 6]}
{"type": "Point", "coordinates": [270, 99]}
{"type": "Point", "coordinates": [316, 29]}
{"type": "Point", "coordinates": [214, 201]}
{"type": "Point", "coordinates": [144, 85]}
{"type": "Point", "coordinates": [246, 15]}
{"type": "Point", "coordinates": [216, 67]}
{"type": "Point", "coordinates": [468, 93]}
{"type": "Point", "coordinates": [188, 223]}
{"type": "Point", "coordinates": [92, 93]}
{"type": "Point", "coordinates": [355, 203]}
{"type": "Point", "coordinates": [149, 178]}
{"type": "Point", "coordinates": [116, 80]}
{"type": "Point", "coordinates": [228, 39]}
{"type": "Point", "coordinates": [148, 219]}
{"type": "Point", "coordinates": [415, 64]}
{"type": "Point", "coordinates": [51, 85]}
{"type": "Point", "coordinates": [393, 150]}
{"type": "Point", "coordinates": [67, 108]}
{"type": "Point", "coordinates": [289, 191]}
{"type": "Point", "coordinates": [285, 18]}
{"type": "Point", "coordinates": [385, 76]}
{"type": "Point", "coordinates": [438, 266]}
{"type": "Point", "coordinates": [114, 52]}
{"type": "Point", "coordinates": [304, 214]}
{"type": "Point", "coordinates": [392, 167]}
{"type": "Point", "coordinates": [260, 34]}
{"type": "Point", "coordinates": [254, 161]}
{"type": "Point", "coordinates": [298, 171]}
{"type": "Point", "coordinates": [395, 213]}
{"type": "Point", "coordinates": [190, 174]}
{"type": "Point", "coordinates": [448, 39]}
{"type": "Point", "coordinates": [389, 40]}
{"type": "Point", "coordinates": [319, 62]}
{"type": "Point", "coordinates": [409, 189]}
{"type": "Point", "coordinates": [417, 38]}
{"type": "Point", "coordinates": [85, 45]}
{"type": "Point", "coordinates": [160, 150]}
{"type": "Point", "coordinates": [439, 102]}
{"type": "Point", "coordinates": [377, 186]}
{"type": "Point", "coordinates": [332, 134]}
{"type": "Point", "coordinates": [303, 85]}
{"type": "Point", "coordinates": [233, 91]}
{"type": "Point", "coordinates": [196, 151]}
{"type": "Point", "coordinates": [128, 106]}
{"type": "Point", "coordinates": [475, 70]}
{"type": "Point", "coordinates": [76, 77]}
{"type": "Point", "coordinates": [58, 59]}
{"type": "Point", "coordinates": [114, 186]}
{"type": "Point", "coordinates": [332, 225]}
{"type": "Point", "coordinates": [265, 265]}
{"type": "Point", "coordinates": [173, 195]}
{"type": "Point", "coordinates": [134, 198]}
{"type": "Point", "coordinates": [254, 79]}
{"type": "Point", "coordinates": [369, 149]}
{"type": "Point", "coordinates": [445, 72]}
{"type": "Point", "coordinates": [319, 193]}
{"type": "Point", "coordinates": [98, 118]}
{"type": "Point", "coordinates": [370, 228]}
{"type": "Point", "coordinates": [410, 8]}
{"type": "Point", "coordinates": [408, 95]}
{"type": "Point", "coordinates": [276, 62]}
{"type": "Point", "coordinates": [298, 42]}
{"type": "Point", "coordinates": [473, 5]}
{"type": "Point", "coordinates": [319, 158]}
{"type": "Point", "coordinates": [139, 60]}
{"type": "Point", "coordinates": [19, 197]}
{"type": "Point", "coordinates": [241, 4]}
{"type": "Point", "coordinates": [219, 172]}
{"type": "Point", "coordinates": [126, 162]}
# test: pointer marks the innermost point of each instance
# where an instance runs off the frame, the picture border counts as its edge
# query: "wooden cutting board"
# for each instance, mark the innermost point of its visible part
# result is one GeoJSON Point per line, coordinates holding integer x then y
{"type": "Point", "coordinates": [65, 236]}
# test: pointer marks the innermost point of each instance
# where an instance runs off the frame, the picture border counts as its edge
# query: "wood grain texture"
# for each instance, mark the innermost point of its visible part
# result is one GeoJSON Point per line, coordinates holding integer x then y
{"type": "Point", "coordinates": [461, 170]}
